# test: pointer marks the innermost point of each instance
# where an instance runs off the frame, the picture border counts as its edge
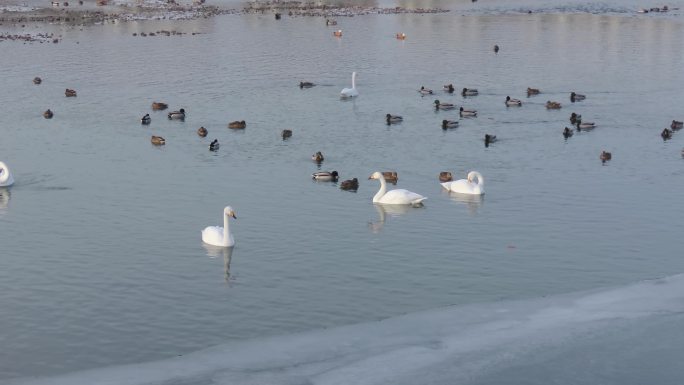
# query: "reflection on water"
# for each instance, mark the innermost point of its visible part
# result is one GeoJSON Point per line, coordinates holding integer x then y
{"type": "Point", "coordinates": [472, 202]}
{"type": "Point", "coordinates": [4, 198]}
{"type": "Point", "coordinates": [387, 210]}
{"type": "Point", "coordinates": [217, 252]}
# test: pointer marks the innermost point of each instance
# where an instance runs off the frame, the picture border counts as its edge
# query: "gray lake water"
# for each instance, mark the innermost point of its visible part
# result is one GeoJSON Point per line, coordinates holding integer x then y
{"type": "Point", "coordinates": [101, 260]}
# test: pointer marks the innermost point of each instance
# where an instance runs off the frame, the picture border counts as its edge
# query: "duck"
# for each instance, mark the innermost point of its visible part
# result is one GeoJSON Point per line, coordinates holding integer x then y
{"type": "Point", "coordinates": [467, 113]}
{"type": "Point", "coordinates": [350, 184]}
{"type": "Point", "coordinates": [6, 178]}
{"type": "Point", "coordinates": [178, 115]}
{"type": "Point", "coordinates": [214, 145]}
{"type": "Point", "coordinates": [394, 197]}
{"type": "Point", "coordinates": [445, 176]}
{"type": "Point", "coordinates": [467, 186]}
{"type": "Point", "coordinates": [449, 124]}
{"type": "Point", "coordinates": [552, 105]}
{"type": "Point", "coordinates": [48, 114]}
{"type": "Point", "coordinates": [158, 140]}
{"type": "Point", "coordinates": [325, 176]}
{"type": "Point", "coordinates": [202, 132]}
{"type": "Point", "coordinates": [605, 156]}
{"type": "Point", "coordinates": [574, 118]}
{"type": "Point", "coordinates": [159, 106]}
{"type": "Point", "coordinates": [330, 22]}
{"type": "Point", "coordinates": [532, 91]}
{"type": "Point", "coordinates": [69, 93]}
{"type": "Point", "coordinates": [587, 126]}
{"type": "Point", "coordinates": [676, 125]}
{"type": "Point", "coordinates": [400, 36]}
{"type": "Point", "coordinates": [489, 139]}
{"type": "Point", "coordinates": [393, 119]}
{"type": "Point", "coordinates": [391, 176]}
{"type": "Point", "coordinates": [424, 91]}
{"type": "Point", "coordinates": [512, 102]}
{"type": "Point", "coordinates": [286, 134]}
{"type": "Point", "coordinates": [576, 97]}
{"type": "Point", "coordinates": [220, 236]}
{"type": "Point", "coordinates": [469, 92]}
{"type": "Point", "coordinates": [496, 48]}
{"type": "Point", "coordinates": [239, 124]}
{"type": "Point", "coordinates": [37, 80]}
{"type": "Point", "coordinates": [443, 106]}
{"type": "Point", "coordinates": [306, 84]}
{"type": "Point", "coordinates": [317, 157]}
{"type": "Point", "coordinates": [337, 33]}
{"type": "Point", "coordinates": [567, 132]}
{"type": "Point", "coordinates": [145, 119]}
{"type": "Point", "coordinates": [350, 92]}
{"type": "Point", "coordinates": [666, 134]}
{"type": "Point", "coordinates": [449, 88]}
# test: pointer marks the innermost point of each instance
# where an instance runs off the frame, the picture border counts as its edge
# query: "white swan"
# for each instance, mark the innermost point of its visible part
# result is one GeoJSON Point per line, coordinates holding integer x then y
{"type": "Point", "coordinates": [467, 186]}
{"type": "Point", "coordinates": [350, 92]}
{"type": "Point", "coordinates": [394, 197]}
{"type": "Point", "coordinates": [6, 179]}
{"type": "Point", "coordinates": [220, 236]}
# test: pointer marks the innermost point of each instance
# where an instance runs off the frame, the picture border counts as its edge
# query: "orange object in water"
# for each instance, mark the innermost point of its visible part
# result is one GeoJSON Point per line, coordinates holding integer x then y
{"type": "Point", "coordinates": [337, 33]}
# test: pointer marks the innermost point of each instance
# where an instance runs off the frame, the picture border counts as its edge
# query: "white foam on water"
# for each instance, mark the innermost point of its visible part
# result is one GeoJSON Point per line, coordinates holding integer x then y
{"type": "Point", "coordinates": [459, 344]}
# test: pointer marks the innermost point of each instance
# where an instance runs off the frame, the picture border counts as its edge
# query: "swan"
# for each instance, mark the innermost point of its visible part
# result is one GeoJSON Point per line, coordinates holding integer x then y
{"type": "Point", "coordinates": [325, 176]}
{"type": "Point", "coordinates": [6, 178]}
{"type": "Point", "coordinates": [469, 92]}
{"type": "Point", "coordinates": [394, 197]}
{"type": "Point", "coordinates": [443, 106]}
{"type": "Point", "coordinates": [202, 132]}
{"type": "Point", "coordinates": [146, 119]}
{"type": "Point", "coordinates": [350, 92]}
{"type": "Point", "coordinates": [533, 91]}
{"type": "Point", "coordinates": [393, 119]}
{"type": "Point", "coordinates": [512, 102]}
{"type": "Point", "coordinates": [576, 97]}
{"type": "Point", "coordinates": [467, 186]}
{"type": "Point", "coordinates": [350, 184]}
{"type": "Point", "coordinates": [468, 113]}
{"type": "Point", "coordinates": [180, 115]}
{"type": "Point", "coordinates": [217, 235]}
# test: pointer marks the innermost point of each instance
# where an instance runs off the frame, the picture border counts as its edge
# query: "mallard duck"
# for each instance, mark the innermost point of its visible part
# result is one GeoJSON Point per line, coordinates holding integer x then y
{"type": "Point", "coordinates": [350, 184]}
{"type": "Point", "coordinates": [48, 114]}
{"type": "Point", "coordinates": [145, 119]}
{"type": "Point", "coordinates": [69, 93]}
{"type": "Point", "coordinates": [178, 115]}
{"type": "Point", "coordinates": [676, 125]}
{"type": "Point", "coordinates": [337, 33]}
{"type": "Point", "coordinates": [445, 176]}
{"type": "Point", "coordinates": [37, 80]}
{"type": "Point", "coordinates": [400, 36]}
{"type": "Point", "coordinates": [469, 92]}
{"type": "Point", "coordinates": [286, 134]}
{"type": "Point", "coordinates": [158, 140]}
{"type": "Point", "coordinates": [202, 132]}
{"type": "Point", "coordinates": [424, 91]}
{"type": "Point", "coordinates": [449, 124]}
{"type": "Point", "coordinates": [214, 145]}
{"type": "Point", "coordinates": [496, 48]}
{"type": "Point", "coordinates": [586, 126]}
{"type": "Point", "coordinates": [443, 106]}
{"type": "Point", "coordinates": [574, 118]}
{"type": "Point", "coordinates": [467, 113]}
{"type": "Point", "coordinates": [306, 84]}
{"type": "Point", "coordinates": [393, 119]}
{"type": "Point", "coordinates": [605, 156]}
{"type": "Point", "coordinates": [330, 22]}
{"type": "Point", "coordinates": [512, 102]}
{"type": "Point", "coordinates": [317, 157]}
{"type": "Point", "coordinates": [567, 132]}
{"type": "Point", "coordinates": [158, 106]}
{"type": "Point", "coordinates": [576, 97]}
{"type": "Point", "coordinates": [489, 139]}
{"type": "Point", "coordinates": [237, 124]}
{"type": "Point", "coordinates": [391, 176]}
{"type": "Point", "coordinates": [325, 176]}
{"type": "Point", "coordinates": [532, 91]}
{"type": "Point", "coordinates": [666, 134]}
{"type": "Point", "coordinates": [449, 88]}
{"type": "Point", "coordinates": [277, 16]}
{"type": "Point", "coordinates": [553, 105]}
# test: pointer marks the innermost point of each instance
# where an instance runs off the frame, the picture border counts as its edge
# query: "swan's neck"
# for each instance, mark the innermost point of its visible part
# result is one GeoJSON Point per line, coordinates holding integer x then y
{"type": "Point", "coordinates": [4, 173]}
{"type": "Point", "coordinates": [382, 191]}
{"type": "Point", "coordinates": [478, 176]}
{"type": "Point", "coordinates": [354, 80]}
{"type": "Point", "coordinates": [226, 229]}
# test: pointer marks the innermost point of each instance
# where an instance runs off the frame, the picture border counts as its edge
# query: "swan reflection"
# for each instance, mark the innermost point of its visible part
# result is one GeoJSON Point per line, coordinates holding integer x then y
{"type": "Point", "coordinates": [4, 198]}
{"type": "Point", "coordinates": [472, 202]}
{"type": "Point", "coordinates": [217, 252]}
{"type": "Point", "coordinates": [385, 211]}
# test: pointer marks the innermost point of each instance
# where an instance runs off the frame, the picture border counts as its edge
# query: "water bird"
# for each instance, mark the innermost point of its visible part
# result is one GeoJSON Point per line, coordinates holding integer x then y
{"type": "Point", "coordinates": [317, 157]}
{"type": "Point", "coordinates": [237, 124]}
{"type": "Point", "coordinates": [449, 88]}
{"type": "Point", "coordinates": [337, 33]}
{"type": "Point", "coordinates": [532, 91]}
{"type": "Point", "coordinates": [553, 105]}
{"type": "Point", "coordinates": [350, 184]}
{"type": "Point", "coordinates": [48, 114]}
{"type": "Point", "coordinates": [574, 118]}
{"type": "Point", "coordinates": [567, 132]}
{"type": "Point", "coordinates": [393, 119]}
{"type": "Point", "coordinates": [158, 106]}
{"type": "Point", "coordinates": [576, 97]}
{"type": "Point", "coordinates": [330, 22]}
{"type": "Point", "coordinates": [496, 48]}
{"type": "Point", "coordinates": [445, 176]}
{"type": "Point", "coordinates": [202, 132]}
{"type": "Point", "coordinates": [69, 93]}
{"type": "Point", "coordinates": [443, 106]}
{"type": "Point", "coordinates": [586, 126]}
{"type": "Point", "coordinates": [214, 145]}
{"type": "Point", "coordinates": [469, 92]}
{"type": "Point", "coordinates": [306, 84]}
{"type": "Point", "coordinates": [325, 176]}
{"type": "Point", "coordinates": [605, 156]}
{"type": "Point", "coordinates": [277, 16]}
{"type": "Point", "coordinates": [6, 178]}
{"type": "Point", "coordinates": [395, 197]}
{"type": "Point", "coordinates": [400, 36]}
{"type": "Point", "coordinates": [286, 134]}
{"type": "Point", "coordinates": [512, 102]}
{"type": "Point", "coordinates": [666, 134]}
{"type": "Point", "coordinates": [467, 113]}
{"type": "Point", "coordinates": [178, 115]}
{"type": "Point", "coordinates": [220, 236]}
{"type": "Point", "coordinates": [467, 186]}
{"type": "Point", "coordinates": [158, 140]}
{"type": "Point", "coordinates": [37, 80]}
{"type": "Point", "coordinates": [424, 91]}
{"type": "Point", "coordinates": [449, 124]}
{"type": "Point", "coordinates": [350, 92]}
{"type": "Point", "coordinates": [391, 176]}
{"type": "Point", "coordinates": [146, 119]}
{"type": "Point", "coordinates": [489, 139]}
{"type": "Point", "coordinates": [676, 125]}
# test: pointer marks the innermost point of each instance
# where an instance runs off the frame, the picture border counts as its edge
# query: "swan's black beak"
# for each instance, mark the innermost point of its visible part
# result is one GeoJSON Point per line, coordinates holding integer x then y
{"type": "Point", "coordinates": [232, 214]}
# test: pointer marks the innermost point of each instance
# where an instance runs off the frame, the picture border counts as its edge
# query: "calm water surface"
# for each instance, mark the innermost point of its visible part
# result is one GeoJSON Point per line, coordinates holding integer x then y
{"type": "Point", "coordinates": [101, 260]}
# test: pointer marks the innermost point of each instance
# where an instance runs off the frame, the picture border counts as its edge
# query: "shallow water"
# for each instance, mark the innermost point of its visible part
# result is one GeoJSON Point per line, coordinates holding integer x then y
{"type": "Point", "coordinates": [102, 262]}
